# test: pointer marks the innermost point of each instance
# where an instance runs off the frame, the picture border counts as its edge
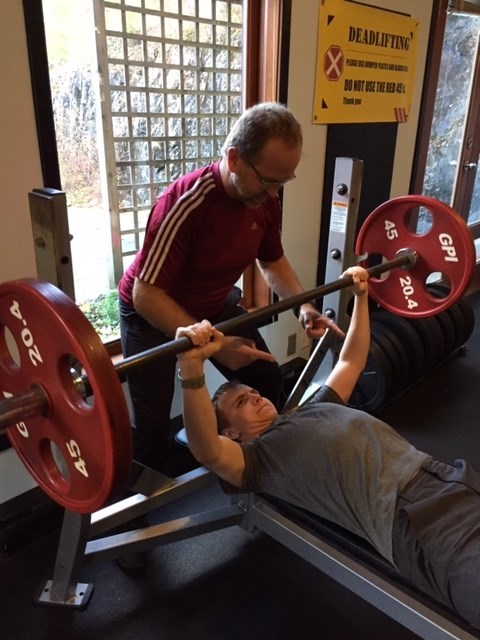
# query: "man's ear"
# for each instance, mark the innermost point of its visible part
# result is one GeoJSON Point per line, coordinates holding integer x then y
{"type": "Point", "coordinates": [233, 159]}
{"type": "Point", "coordinates": [230, 432]}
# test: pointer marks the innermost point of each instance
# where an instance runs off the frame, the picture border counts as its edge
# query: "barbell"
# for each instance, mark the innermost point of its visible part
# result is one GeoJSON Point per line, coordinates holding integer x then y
{"type": "Point", "coordinates": [63, 407]}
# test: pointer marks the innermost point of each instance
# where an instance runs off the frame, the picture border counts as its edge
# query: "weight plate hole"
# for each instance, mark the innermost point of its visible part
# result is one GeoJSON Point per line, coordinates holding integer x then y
{"type": "Point", "coordinates": [378, 258]}
{"type": "Point", "coordinates": [9, 351]}
{"type": "Point", "coordinates": [58, 467]}
{"type": "Point", "coordinates": [419, 220]}
{"type": "Point", "coordinates": [438, 285]}
{"type": "Point", "coordinates": [71, 372]}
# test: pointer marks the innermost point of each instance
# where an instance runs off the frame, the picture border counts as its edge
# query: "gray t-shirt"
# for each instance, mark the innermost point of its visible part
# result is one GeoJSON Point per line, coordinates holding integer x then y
{"type": "Point", "coordinates": [339, 463]}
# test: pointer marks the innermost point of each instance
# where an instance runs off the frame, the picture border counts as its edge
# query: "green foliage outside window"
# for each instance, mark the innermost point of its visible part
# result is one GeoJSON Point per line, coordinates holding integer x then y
{"type": "Point", "coordinates": [103, 314]}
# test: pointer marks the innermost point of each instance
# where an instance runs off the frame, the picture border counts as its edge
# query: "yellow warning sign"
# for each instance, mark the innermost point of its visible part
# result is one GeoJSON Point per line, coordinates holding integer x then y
{"type": "Point", "coordinates": [365, 63]}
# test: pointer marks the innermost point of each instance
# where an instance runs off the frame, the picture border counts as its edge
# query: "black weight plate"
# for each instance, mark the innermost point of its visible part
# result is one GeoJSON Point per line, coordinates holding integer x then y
{"type": "Point", "coordinates": [375, 384]}
{"type": "Point", "coordinates": [431, 334]}
{"type": "Point", "coordinates": [455, 316]}
{"type": "Point", "coordinates": [385, 345]}
{"type": "Point", "coordinates": [447, 336]}
{"type": "Point", "coordinates": [468, 316]}
{"type": "Point", "coordinates": [394, 350]}
{"type": "Point", "coordinates": [458, 318]}
{"type": "Point", "coordinates": [409, 338]}
{"type": "Point", "coordinates": [449, 332]}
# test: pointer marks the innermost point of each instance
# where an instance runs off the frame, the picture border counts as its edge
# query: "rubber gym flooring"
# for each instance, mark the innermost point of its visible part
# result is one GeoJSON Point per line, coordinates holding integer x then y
{"type": "Point", "coordinates": [232, 584]}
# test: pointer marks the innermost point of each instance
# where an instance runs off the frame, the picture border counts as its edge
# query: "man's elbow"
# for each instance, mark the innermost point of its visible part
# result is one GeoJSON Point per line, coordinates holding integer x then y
{"type": "Point", "coordinates": [140, 295]}
{"type": "Point", "coordinates": [147, 301]}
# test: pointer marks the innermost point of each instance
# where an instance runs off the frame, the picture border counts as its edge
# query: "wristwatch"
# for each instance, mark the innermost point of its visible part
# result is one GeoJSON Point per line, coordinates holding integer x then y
{"type": "Point", "coordinates": [191, 383]}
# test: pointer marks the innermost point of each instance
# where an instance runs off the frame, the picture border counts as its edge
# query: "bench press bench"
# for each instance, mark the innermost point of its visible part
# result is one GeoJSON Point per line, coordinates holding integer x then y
{"type": "Point", "coordinates": [354, 564]}
{"type": "Point", "coordinates": [343, 557]}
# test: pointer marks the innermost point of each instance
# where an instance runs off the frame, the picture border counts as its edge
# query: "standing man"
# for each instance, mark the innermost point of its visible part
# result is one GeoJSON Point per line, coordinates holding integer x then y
{"type": "Point", "coordinates": [202, 233]}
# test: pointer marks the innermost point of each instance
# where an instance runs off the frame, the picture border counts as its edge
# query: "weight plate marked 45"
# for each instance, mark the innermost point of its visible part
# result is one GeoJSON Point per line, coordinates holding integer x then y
{"type": "Point", "coordinates": [447, 247]}
{"type": "Point", "coordinates": [79, 452]}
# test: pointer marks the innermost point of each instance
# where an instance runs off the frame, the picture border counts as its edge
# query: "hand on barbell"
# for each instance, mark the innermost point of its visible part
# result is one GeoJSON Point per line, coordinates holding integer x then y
{"type": "Point", "coordinates": [232, 351]}
{"type": "Point", "coordinates": [314, 323]}
{"type": "Point", "coordinates": [206, 341]}
{"type": "Point", "coordinates": [360, 277]}
{"type": "Point", "coordinates": [200, 334]}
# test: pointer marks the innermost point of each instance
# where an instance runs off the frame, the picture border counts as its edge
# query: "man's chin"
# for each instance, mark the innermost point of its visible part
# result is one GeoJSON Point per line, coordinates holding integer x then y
{"type": "Point", "coordinates": [268, 407]}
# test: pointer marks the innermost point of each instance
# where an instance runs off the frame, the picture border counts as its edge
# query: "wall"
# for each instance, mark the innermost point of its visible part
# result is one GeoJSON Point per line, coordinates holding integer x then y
{"type": "Point", "coordinates": [21, 169]}
{"type": "Point", "coordinates": [20, 172]}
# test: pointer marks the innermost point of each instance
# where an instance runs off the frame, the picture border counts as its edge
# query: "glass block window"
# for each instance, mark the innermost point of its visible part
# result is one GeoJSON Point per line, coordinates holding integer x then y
{"type": "Point", "coordinates": [171, 73]}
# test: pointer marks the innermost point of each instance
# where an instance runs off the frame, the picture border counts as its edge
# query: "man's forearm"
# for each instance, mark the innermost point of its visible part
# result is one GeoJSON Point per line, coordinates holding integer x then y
{"type": "Point", "coordinates": [354, 352]}
{"type": "Point", "coordinates": [281, 277]}
{"type": "Point", "coordinates": [199, 416]}
{"type": "Point", "coordinates": [357, 341]}
{"type": "Point", "coordinates": [200, 423]}
{"type": "Point", "coordinates": [159, 309]}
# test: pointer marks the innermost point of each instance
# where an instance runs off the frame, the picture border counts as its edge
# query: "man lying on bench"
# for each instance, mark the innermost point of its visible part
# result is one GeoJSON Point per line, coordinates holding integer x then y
{"type": "Point", "coordinates": [343, 465]}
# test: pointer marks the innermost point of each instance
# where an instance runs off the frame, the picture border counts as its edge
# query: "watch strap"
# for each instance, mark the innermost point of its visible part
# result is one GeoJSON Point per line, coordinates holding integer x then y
{"type": "Point", "coordinates": [191, 383]}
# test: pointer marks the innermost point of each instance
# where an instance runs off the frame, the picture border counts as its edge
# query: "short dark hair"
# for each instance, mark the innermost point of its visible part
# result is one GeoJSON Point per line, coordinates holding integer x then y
{"type": "Point", "coordinates": [259, 124]}
{"type": "Point", "coordinates": [222, 422]}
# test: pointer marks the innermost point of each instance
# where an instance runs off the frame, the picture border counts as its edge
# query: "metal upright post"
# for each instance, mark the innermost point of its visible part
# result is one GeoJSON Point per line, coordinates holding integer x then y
{"type": "Point", "coordinates": [51, 235]}
{"type": "Point", "coordinates": [63, 588]}
{"type": "Point", "coordinates": [341, 238]}
{"type": "Point", "coordinates": [340, 255]}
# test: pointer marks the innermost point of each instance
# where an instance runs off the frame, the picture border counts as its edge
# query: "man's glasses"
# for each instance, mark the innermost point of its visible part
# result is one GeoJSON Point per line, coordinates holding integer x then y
{"type": "Point", "coordinates": [268, 183]}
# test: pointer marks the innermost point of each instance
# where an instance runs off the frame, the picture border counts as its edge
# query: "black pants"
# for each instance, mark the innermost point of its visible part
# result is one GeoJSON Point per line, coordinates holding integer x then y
{"type": "Point", "coordinates": [436, 536]}
{"type": "Point", "coordinates": [151, 386]}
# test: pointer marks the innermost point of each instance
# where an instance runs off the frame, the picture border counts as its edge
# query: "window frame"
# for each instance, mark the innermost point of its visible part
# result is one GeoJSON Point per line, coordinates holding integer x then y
{"type": "Point", "coordinates": [440, 10]}
{"type": "Point", "coordinates": [269, 25]}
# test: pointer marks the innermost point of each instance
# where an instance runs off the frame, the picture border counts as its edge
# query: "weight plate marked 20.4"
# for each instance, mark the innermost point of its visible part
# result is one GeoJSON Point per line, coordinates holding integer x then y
{"type": "Point", "coordinates": [79, 452]}
{"type": "Point", "coordinates": [447, 247]}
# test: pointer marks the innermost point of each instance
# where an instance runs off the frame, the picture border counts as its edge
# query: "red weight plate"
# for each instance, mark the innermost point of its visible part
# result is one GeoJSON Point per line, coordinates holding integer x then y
{"type": "Point", "coordinates": [80, 452]}
{"type": "Point", "coordinates": [447, 247]}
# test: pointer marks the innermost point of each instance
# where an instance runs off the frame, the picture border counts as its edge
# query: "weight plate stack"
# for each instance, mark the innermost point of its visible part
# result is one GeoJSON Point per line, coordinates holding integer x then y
{"type": "Point", "coordinates": [468, 319]}
{"type": "Point", "coordinates": [410, 340]}
{"type": "Point", "coordinates": [393, 348]}
{"type": "Point", "coordinates": [375, 384]}
{"type": "Point", "coordinates": [402, 350]}
{"type": "Point", "coordinates": [461, 313]}
{"type": "Point", "coordinates": [431, 335]}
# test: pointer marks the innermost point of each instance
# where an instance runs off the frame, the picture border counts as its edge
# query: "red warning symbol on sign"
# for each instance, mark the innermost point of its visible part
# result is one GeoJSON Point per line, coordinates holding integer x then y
{"type": "Point", "coordinates": [333, 62]}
